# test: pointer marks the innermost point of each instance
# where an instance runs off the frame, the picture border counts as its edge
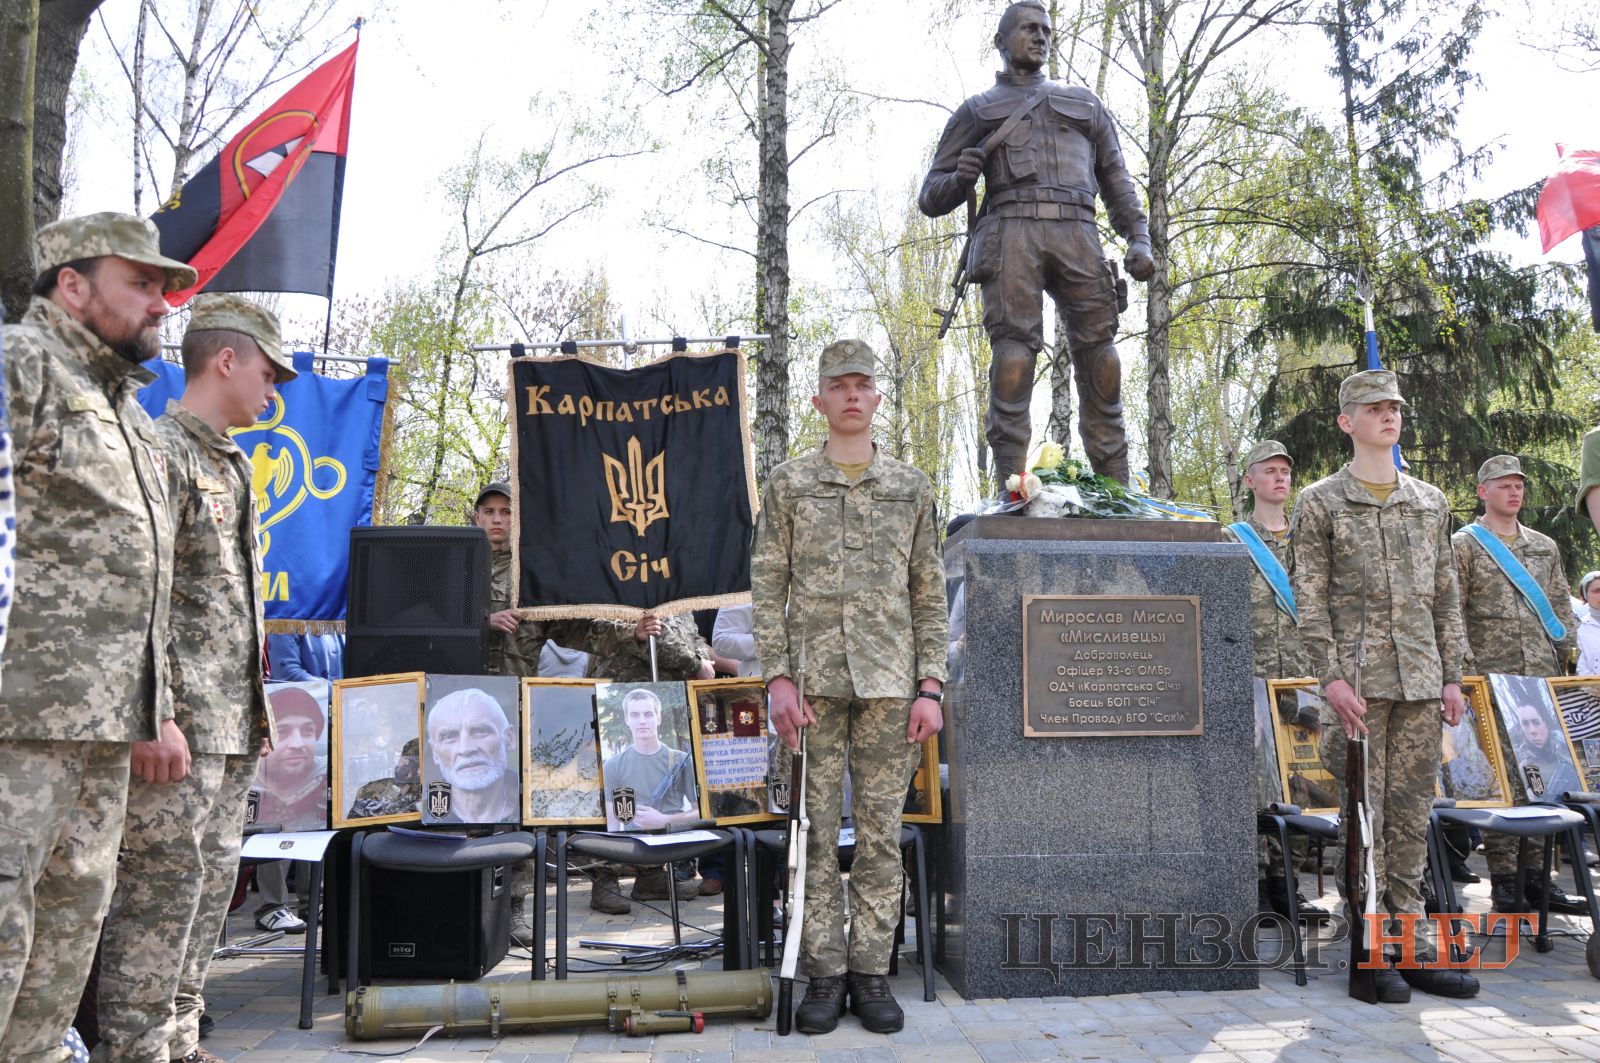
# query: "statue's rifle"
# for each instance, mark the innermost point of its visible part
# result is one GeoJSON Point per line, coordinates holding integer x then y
{"type": "Point", "coordinates": [1360, 885]}
{"type": "Point", "coordinates": [795, 896]}
{"type": "Point", "coordinates": [990, 142]}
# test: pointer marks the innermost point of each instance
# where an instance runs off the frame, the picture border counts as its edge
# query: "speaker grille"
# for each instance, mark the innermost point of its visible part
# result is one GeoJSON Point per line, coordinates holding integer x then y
{"type": "Point", "coordinates": [419, 601]}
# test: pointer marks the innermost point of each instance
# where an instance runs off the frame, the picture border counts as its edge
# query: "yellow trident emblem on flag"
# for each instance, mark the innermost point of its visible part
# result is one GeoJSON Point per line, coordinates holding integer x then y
{"type": "Point", "coordinates": [638, 490]}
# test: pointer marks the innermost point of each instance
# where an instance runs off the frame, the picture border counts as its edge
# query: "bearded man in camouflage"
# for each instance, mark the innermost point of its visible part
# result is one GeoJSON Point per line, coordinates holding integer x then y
{"type": "Point", "coordinates": [86, 679]}
{"type": "Point", "coordinates": [846, 567]}
{"type": "Point", "coordinates": [1371, 552]}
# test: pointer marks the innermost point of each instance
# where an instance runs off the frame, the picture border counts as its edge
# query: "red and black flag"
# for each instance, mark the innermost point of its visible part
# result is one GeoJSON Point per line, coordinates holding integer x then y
{"type": "Point", "coordinates": [263, 216]}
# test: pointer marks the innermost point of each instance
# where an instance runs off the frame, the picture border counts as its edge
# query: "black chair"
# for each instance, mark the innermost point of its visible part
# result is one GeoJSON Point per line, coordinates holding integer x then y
{"type": "Point", "coordinates": [258, 945]}
{"type": "Point", "coordinates": [632, 849]}
{"type": "Point", "coordinates": [1281, 821]}
{"type": "Point", "coordinates": [436, 855]}
{"type": "Point", "coordinates": [772, 848]}
{"type": "Point", "coordinates": [1526, 822]}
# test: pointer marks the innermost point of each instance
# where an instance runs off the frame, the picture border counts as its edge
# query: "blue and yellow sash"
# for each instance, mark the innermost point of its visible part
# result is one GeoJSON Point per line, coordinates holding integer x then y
{"type": "Point", "coordinates": [1269, 566]}
{"type": "Point", "coordinates": [1521, 579]}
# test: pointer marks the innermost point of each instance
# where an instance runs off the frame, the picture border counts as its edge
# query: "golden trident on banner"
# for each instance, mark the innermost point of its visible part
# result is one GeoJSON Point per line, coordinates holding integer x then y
{"type": "Point", "coordinates": [638, 490]}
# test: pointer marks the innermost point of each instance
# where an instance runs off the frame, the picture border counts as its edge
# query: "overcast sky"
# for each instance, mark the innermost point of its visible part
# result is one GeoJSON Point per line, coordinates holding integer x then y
{"type": "Point", "coordinates": [431, 78]}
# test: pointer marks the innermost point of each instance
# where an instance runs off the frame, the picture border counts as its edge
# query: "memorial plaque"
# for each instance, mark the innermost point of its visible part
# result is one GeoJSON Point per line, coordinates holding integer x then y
{"type": "Point", "coordinates": [1103, 665]}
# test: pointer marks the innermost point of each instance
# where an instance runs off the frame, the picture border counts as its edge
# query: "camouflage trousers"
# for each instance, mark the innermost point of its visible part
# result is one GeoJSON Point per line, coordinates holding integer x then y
{"type": "Point", "coordinates": [61, 808]}
{"type": "Point", "coordinates": [1403, 748]}
{"type": "Point", "coordinates": [165, 874]}
{"type": "Point", "coordinates": [869, 734]}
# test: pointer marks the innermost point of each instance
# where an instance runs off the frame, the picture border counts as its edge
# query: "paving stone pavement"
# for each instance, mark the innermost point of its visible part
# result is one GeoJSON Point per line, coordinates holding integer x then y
{"type": "Point", "coordinates": [1543, 1007]}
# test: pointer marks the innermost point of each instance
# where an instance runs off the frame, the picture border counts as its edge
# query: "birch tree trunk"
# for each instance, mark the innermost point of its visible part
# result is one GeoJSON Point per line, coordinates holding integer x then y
{"type": "Point", "coordinates": [19, 25]}
{"type": "Point", "coordinates": [772, 241]}
{"type": "Point", "coordinates": [1158, 303]}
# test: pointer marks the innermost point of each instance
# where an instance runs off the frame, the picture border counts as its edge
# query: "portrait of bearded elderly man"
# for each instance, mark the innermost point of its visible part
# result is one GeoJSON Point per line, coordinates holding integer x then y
{"type": "Point", "coordinates": [471, 747]}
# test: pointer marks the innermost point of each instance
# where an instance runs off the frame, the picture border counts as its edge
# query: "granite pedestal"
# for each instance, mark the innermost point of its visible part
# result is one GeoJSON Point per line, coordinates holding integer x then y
{"type": "Point", "coordinates": [1096, 865]}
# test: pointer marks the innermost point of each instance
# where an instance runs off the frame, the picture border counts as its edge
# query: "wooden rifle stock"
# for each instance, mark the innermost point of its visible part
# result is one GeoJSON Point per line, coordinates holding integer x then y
{"type": "Point", "coordinates": [795, 896]}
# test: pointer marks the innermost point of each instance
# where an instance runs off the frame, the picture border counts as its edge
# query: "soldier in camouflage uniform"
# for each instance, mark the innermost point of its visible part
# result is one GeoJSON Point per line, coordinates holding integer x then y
{"type": "Point", "coordinates": [846, 568]}
{"type": "Point", "coordinates": [1505, 636]}
{"type": "Point", "coordinates": [514, 643]}
{"type": "Point", "coordinates": [180, 853]}
{"type": "Point", "coordinates": [1269, 475]}
{"type": "Point", "coordinates": [86, 669]}
{"type": "Point", "coordinates": [393, 796]}
{"type": "Point", "coordinates": [1371, 528]}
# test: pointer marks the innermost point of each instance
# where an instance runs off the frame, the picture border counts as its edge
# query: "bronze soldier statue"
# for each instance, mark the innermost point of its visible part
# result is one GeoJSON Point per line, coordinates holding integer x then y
{"type": "Point", "coordinates": [1045, 150]}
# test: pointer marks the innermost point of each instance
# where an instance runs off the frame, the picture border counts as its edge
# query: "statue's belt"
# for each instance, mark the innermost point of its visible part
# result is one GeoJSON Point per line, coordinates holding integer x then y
{"type": "Point", "coordinates": [1041, 201]}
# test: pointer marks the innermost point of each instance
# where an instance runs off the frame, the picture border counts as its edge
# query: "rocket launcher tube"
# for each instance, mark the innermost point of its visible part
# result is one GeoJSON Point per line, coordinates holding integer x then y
{"type": "Point", "coordinates": [374, 1012]}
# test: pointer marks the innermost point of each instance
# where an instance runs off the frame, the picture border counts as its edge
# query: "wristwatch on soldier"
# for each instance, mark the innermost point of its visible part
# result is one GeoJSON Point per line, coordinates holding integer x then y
{"type": "Point", "coordinates": [935, 695]}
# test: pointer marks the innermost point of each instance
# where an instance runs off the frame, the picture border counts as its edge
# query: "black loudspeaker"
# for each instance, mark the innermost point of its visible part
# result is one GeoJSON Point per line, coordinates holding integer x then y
{"type": "Point", "coordinates": [454, 925]}
{"type": "Point", "coordinates": [419, 601]}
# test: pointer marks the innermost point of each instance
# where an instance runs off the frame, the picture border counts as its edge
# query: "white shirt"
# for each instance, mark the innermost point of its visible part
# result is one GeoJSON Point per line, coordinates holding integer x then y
{"type": "Point", "coordinates": [734, 637]}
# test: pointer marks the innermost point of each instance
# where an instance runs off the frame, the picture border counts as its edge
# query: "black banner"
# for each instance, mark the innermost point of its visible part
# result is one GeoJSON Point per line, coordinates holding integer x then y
{"type": "Point", "coordinates": [634, 489]}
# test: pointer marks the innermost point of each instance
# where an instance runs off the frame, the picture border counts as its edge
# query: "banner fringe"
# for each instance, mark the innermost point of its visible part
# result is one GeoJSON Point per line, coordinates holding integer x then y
{"type": "Point", "coordinates": [305, 627]}
{"type": "Point", "coordinates": [613, 611]}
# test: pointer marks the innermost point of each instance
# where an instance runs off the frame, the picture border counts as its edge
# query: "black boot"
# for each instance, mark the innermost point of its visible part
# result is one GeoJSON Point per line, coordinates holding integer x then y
{"type": "Point", "coordinates": [819, 1012]}
{"type": "Point", "coordinates": [1439, 981]}
{"type": "Point", "coordinates": [1559, 901]}
{"type": "Point", "coordinates": [1271, 890]}
{"type": "Point", "coordinates": [1503, 893]}
{"type": "Point", "coordinates": [873, 1003]}
{"type": "Point", "coordinates": [1460, 872]}
{"type": "Point", "coordinates": [1392, 989]}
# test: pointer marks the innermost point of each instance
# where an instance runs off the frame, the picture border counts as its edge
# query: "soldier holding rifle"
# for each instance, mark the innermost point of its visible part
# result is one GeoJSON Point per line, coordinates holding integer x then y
{"type": "Point", "coordinates": [1374, 580]}
{"type": "Point", "coordinates": [846, 562]}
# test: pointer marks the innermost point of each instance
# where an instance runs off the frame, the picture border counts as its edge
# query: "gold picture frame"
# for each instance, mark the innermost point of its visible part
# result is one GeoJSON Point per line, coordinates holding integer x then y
{"type": "Point", "coordinates": [1580, 719]}
{"type": "Point", "coordinates": [1543, 766]}
{"type": "Point", "coordinates": [732, 749]}
{"type": "Point", "coordinates": [541, 698]}
{"type": "Point", "coordinates": [1474, 744]}
{"type": "Point", "coordinates": [925, 795]}
{"type": "Point", "coordinates": [376, 737]}
{"type": "Point", "coordinates": [1306, 782]}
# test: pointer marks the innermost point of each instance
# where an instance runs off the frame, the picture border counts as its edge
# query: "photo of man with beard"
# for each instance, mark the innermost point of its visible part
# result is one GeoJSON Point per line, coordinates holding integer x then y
{"type": "Point", "coordinates": [469, 753]}
{"type": "Point", "coordinates": [292, 780]}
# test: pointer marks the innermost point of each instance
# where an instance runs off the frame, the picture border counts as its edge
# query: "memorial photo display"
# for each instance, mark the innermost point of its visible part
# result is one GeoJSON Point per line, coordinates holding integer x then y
{"type": "Point", "coordinates": [647, 768]}
{"type": "Point", "coordinates": [924, 797]}
{"type": "Point", "coordinates": [376, 750]}
{"type": "Point", "coordinates": [1109, 665]}
{"type": "Point", "coordinates": [1578, 698]}
{"type": "Point", "coordinates": [560, 753]}
{"type": "Point", "coordinates": [291, 785]}
{"type": "Point", "coordinates": [1540, 758]}
{"type": "Point", "coordinates": [1269, 784]}
{"type": "Point", "coordinates": [1303, 778]}
{"type": "Point", "coordinates": [470, 761]}
{"type": "Point", "coordinates": [1471, 765]}
{"type": "Point", "coordinates": [732, 743]}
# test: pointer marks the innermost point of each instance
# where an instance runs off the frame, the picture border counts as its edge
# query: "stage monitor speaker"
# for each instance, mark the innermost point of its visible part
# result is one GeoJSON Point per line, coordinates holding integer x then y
{"type": "Point", "coordinates": [449, 925]}
{"type": "Point", "coordinates": [419, 601]}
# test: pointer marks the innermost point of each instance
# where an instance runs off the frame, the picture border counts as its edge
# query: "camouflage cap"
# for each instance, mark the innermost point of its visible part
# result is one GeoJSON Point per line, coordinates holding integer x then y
{"type": "Point", "coordinates": [1498, 466]}
{"type": "Point", "coordinates": [238, 314]}
{"type": "Point", "coordinates": [1267, 448]}
{"type": "Point", "coordinates": [499, 487]}
{"type": "Point", "coordinates": [847, 356]}
{"type": "Point", "coordinates": [410, 749]}
{"type": "Point", "coordinates": [1372, 385]}
{"type": "Point", "coordinates": [108, 233]}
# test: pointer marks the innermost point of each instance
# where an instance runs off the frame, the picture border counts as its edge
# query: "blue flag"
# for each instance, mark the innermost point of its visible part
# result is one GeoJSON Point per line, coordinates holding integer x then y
{"type": "Point", "coordinates": [314, 462]}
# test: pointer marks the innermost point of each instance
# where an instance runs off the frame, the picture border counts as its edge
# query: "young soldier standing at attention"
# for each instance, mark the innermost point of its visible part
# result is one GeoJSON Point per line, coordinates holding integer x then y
{"type": "Point", "coordinates": [1269, 474]}
{"type": "Point", "coordinates": [846, 565]}
{"type": "Point", "coordinates": [1372, 552]}
{"type": "Point", "coordinates": [1518, 613]}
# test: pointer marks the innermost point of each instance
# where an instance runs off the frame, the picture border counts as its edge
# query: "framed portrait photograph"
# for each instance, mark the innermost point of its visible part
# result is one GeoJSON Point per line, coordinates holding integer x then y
{"type": "Point", "coordinates": [924, 797]}
{"type": "Point", "coordinates": [1269, 784]}
{"type": "Point", "coordinates": [376, 751]}
{"type": "Point", "coordinates": [291, 785]}
{"type": "Point", "coordinates": [560, 753]}
{"type": "Point", "coordinates": [647, 766]}
{"type": "Point", "coordinates": [470, 760]}
{"type": "Point", "coordinates": [1299, 739]}
{"type": "Point", "coordinates": [1471, 765]}
{"type": "Point", "coordinates": [732, 745]}
{"type": "Point", "coordinates": [1541, 758]}
{"type": "Point", "coordinates": [1578, 698]}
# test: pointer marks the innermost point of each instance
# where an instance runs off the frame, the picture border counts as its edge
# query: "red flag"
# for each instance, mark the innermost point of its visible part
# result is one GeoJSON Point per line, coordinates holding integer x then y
{"type": "Point", "coordinates": [220, 208]}
{"type": "Point", "coordinates": [1570, 200]}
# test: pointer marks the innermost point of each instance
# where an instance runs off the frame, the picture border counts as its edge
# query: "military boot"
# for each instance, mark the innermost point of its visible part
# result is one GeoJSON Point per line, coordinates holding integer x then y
{"type": "Point", "coordinates": [872, 1001]}
{"type": "Point", "coordinates": [1503, 894]}
{"type": "Point", "coordinates": [521, 929]}
{"type": "Point", "coordinates": [1559, 901]}
{"type": "Point", "coordinates": [650, 884]}
{"type": "Point", "coordinates": [819, 1012]}
{"type": "Point", "coordinates": [606, 896]}
{"type": "Point", "coordinates": [1391, 988]}
{"type": "Point", "coordinates": [1439, 981]}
